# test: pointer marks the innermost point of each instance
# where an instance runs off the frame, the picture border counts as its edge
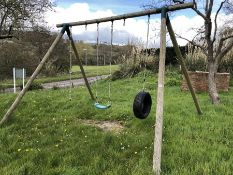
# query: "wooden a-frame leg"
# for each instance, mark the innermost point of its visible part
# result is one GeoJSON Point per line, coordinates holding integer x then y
{"type": "Point", "coordinates": [80, 63]}
{"type": "Point", "coordinates": [32, 78]}
{"type": "Point", "coordinates": [183, 67]}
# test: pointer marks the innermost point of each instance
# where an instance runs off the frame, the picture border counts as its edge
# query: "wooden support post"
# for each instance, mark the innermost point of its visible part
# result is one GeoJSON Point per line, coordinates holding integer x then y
{"type": "Point", "coordinates": [160, 97]}
{"type": "Point", "coordinates": [183, 67]}
{"type": "Point", "coordinates": [80, 64]}
{"type": "Point", "coordinates": [32, 78]}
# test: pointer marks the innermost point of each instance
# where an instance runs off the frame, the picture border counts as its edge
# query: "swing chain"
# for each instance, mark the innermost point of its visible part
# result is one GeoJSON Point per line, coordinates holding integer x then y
{"type": "Point", "coordinates": [86, 27]}
{"type": "Point", "coordinates": [97, 60]}
{"type": "Point", "coordinates": [70, 71]}
{"type": "Point", "coordinates": [147, 55]}
{"type": "Point", "coordinates": [110, 64]}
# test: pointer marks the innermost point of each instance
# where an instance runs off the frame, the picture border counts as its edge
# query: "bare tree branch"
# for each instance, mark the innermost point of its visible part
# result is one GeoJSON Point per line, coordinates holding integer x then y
{"type": "Point", "coordinates": [2, 21]}
{"type": "Point", "coordinates": [208, 23]}
{"type": "Point", "coordinates": [227, 37]}
{"type": "Point", "coordinates": [219, 47]}
{"type": "Point", "coordinates": [215, 20]}
{"type": "Point", "coordinates": [5, 36]}
{"type": "Point", "coordinates": [22, 13]}
{"type": "Point", "coordinates": [221, 44]}
{"type": "Point", "coordinates": [224, 51]}
{"type": "Point", "coordinates": [209, 11]}
{"type": "Point", "coordinates": [197, 11]}
{"type": "Point", "coordinates": [193, 43]}
{"type": "Point", "coordinates": [206, 6]}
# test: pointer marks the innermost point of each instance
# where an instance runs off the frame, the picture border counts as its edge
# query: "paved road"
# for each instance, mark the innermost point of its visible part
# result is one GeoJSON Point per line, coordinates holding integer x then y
{"type": "Point", "coordinates": [64, 84]}
{"type": "Point", "coordinates": [75, 82]}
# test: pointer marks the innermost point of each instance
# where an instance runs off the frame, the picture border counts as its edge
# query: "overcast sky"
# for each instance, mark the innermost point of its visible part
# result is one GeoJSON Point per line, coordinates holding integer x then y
{"type": "Point", "coordinates": [134, 30]}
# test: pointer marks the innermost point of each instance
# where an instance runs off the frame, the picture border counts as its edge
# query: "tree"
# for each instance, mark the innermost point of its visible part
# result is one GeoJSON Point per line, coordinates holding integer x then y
{"type": "Point", "coordinates": [85, 50]}
{"type": "Point", "coordinates": [41, 39]}
{"type": "Point", "coordinates": [16, 55]}
{"type": "Point", "coordinates": [18, 14]}
{"type": "Point", "coordinates": [28, 51]}
{"type": "Point", "coordinates": [213, 40]}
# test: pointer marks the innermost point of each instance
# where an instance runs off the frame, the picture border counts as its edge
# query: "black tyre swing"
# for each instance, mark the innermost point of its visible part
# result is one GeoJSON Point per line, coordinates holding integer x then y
{"type": "Point", "coordinates": [142, 102]}
{"type": "Point", "coordinates": [142, 105]}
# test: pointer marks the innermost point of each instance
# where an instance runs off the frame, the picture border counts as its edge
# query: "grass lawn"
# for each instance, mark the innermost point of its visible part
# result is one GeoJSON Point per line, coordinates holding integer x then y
{"type": "Point", "coordinates": [45, 136]}
{"type": "Point", "coordinates": [89, 70]}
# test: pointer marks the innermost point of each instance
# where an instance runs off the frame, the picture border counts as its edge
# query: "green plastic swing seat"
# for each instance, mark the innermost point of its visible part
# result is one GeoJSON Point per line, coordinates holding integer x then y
{"type": "Point", "coordinates": [100, 106]}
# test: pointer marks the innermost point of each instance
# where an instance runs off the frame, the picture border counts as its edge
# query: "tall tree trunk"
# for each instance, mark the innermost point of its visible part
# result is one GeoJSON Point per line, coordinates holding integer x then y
{"type": "Point", "coordinates": [212, 64]}
{"type": "Point", "coordinates": [213, 93]}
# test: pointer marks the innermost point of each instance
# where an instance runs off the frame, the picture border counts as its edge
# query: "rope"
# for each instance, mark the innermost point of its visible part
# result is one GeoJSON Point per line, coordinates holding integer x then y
{"type": "Point", "coordinates": [97, 61]}
{"type": "Point", "coordinates": [147, 55]}
{"type": "Point", "coordinates": [110, 64]}
{"type": "Point", "coordinates": [70, 71]}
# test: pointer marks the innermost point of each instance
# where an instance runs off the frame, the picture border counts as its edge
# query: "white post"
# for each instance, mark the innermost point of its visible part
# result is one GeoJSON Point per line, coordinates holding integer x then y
{"type": "Point", "coordinates": [23, 77]}
{"type": "Point", "coordinates": [85, 56]}
{"type": "Point", "coordinates": [14, 80]}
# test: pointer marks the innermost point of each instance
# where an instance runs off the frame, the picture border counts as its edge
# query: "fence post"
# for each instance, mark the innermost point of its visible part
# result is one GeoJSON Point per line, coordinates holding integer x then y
{"type": "Point", "coordinates": [32, 78]}
{"type": "Point", "coordinates": [14, 79]}
{"type": "Point", "coordinates": [23, 77]}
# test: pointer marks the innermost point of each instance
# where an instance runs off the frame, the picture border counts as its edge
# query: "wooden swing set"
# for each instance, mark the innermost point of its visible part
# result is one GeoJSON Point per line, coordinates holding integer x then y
{"type": "Point", "coordinates": [165, 23]}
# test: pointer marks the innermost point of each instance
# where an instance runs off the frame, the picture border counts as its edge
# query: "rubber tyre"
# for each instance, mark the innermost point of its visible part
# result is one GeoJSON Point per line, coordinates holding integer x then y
{"type": "Point", "coordinates": [142, 105]}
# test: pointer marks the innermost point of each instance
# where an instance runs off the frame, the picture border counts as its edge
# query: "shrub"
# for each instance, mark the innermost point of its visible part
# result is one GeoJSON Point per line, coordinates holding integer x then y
{"type": "Point", "coordinates": [195, 63]}
{"type": "Point", "coordinates": [135, 64]}
{"type": "Point", "coordinates": [34, 86]}
{"type": "Point", "coordinates": [2, 88]}
{"type": "Point", "coordinates": [173, 76]}
{"type": "Point", "coordinates": [226, 65]}
{"type": "Point", "coordinates": [55, 88]}
{"type": "Point", "coordinates": [172, 82]}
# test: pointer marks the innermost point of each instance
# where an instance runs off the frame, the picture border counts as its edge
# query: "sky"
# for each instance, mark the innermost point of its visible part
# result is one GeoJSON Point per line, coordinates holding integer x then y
{"type": "Point", "coordinates": [134, 30]}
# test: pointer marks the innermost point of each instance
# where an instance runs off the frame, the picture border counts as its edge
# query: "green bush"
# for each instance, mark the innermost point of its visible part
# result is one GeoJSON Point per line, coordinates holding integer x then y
{"type": "Point", "coordinates": [135, 65]}
{"type": "Point", "coordinates": [226, 65]}
{"type": "Point", "coordinates": [173, 76]}
{"type": "Point", "coordinates": [34, 86]}
{"type": "Point", "coordinates": [55, 88]}
{"type": "Point", "coordinates": [172, 82]}
{"type": "Point", "coordinates": [195, 63]}
{"type": "Point", "coordinates": [2, 88]}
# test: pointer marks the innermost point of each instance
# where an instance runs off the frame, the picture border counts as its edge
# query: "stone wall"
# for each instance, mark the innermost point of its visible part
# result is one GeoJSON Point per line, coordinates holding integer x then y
{"type": "Point", "coordinates": [200, 81]}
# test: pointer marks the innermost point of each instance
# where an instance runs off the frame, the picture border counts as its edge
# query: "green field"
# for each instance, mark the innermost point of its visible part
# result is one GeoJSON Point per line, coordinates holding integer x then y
{"type": "Point", "coordinates": [45, 135]}
{"type": "Point", "coordinates": [89, 70]}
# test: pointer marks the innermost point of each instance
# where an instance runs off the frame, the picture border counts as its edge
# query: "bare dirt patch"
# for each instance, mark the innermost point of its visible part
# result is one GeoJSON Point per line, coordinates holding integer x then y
{"type": "Point", "coordinates": [113, 126]}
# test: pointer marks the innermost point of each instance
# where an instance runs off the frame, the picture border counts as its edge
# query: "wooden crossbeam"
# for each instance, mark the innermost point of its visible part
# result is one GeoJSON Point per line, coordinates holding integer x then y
{"type": "Point", "coordinates": [129, 15]}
